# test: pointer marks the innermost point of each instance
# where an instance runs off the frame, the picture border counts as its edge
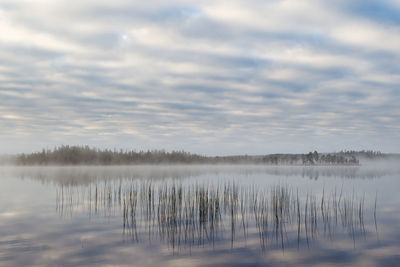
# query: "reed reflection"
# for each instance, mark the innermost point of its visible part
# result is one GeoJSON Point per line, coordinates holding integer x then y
{"type": "Point", "coordinates": [186, 215]}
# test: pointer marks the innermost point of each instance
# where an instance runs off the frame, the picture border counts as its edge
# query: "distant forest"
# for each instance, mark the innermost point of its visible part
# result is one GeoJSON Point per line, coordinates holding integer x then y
{"type": "Point", "coordinates": [85, 155]}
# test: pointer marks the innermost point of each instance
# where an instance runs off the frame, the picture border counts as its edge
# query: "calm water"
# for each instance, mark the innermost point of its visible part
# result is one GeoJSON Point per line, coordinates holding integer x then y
{"type": "Point", "coordinates": [200, 216]}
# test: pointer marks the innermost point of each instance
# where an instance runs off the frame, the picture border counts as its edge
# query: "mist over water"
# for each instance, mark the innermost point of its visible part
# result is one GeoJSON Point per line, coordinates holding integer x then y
{"type": "Point", "coordinates": [86, 174]}
{"type": "Point", "coordinates": [199, 133]}
{"type": "Point", "coordinates": [200, 215]}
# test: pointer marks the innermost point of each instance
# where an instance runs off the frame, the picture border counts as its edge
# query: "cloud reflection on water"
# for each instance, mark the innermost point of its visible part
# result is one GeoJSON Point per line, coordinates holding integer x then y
{"type": "Point", "coordinates": [80, 236]}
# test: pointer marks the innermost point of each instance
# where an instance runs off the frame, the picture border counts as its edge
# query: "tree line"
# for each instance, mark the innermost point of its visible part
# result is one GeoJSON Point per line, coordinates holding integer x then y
{"type": "Point", "coordinates": [85, 155]}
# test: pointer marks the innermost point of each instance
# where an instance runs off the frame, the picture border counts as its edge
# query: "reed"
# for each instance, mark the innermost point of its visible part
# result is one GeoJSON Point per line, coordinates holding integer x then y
{"type": "Point", "coordinates": [209, 214]}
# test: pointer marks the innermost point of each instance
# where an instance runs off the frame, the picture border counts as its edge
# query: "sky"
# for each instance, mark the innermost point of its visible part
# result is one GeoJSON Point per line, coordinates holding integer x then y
{"type": "Point", "coordinates": [213, 77]}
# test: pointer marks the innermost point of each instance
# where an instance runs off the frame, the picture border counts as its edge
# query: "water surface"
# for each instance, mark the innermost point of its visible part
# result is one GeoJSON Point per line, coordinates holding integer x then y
{"type": "Point", "coordinates": [199, 215]}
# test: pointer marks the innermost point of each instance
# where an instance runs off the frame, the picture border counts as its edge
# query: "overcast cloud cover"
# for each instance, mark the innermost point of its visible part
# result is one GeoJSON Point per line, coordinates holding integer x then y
{"type": "Point", "coordinates": [211, 77]}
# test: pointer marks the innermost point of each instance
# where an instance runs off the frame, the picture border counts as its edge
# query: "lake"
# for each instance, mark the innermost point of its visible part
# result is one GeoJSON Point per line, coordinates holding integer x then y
{"type": "Point", "coordinates": [196, 215]}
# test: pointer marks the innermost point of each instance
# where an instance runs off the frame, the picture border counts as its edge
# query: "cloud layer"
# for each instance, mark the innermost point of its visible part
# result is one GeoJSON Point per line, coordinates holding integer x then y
{"type": "Point", "coordinates": [213, 77]}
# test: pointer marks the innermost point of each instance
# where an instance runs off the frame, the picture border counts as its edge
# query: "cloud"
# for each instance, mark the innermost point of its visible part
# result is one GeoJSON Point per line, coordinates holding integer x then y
{"type": "Point", "coordinates": [213, 77]}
